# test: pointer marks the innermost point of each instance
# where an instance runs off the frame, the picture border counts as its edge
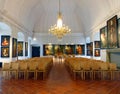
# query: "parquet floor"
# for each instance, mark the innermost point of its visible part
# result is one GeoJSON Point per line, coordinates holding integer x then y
{"type": "Point", "coordinates": [58, 82]}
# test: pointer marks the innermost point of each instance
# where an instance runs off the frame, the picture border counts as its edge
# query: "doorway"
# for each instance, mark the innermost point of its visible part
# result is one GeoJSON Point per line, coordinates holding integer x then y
{"type": "Point", "coordinates": [35, 51]}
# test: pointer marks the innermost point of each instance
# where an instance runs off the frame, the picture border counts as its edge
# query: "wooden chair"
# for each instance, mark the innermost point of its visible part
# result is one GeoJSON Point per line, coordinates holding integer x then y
{"type": "Point", "coordinates": [6, 69]}
{"type": "Point", "coordinates": [14, 69]}
{"type": "Point", "coordinates": [22, 69]}
{"type": "Point", "coordinates": [104, 70]}
{"type": "Point", "coordinates": [115, 73]}
{"type": "Point", "coordinates": [87, 72]}
{"type": "Point", "coordinates": [96, 70]}
{"type": "Point", "coordinates": [77, 70]}
{"type": "Point", "coordinates": [41, 68]}
{"type": "Point", "coordinates": [31, 69]}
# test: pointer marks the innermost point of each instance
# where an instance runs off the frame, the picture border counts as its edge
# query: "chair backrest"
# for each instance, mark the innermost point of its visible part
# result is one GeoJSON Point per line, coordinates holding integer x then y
{"type": "Point", "coordinates": [76, 66]}
{"type": "Point", "coordinates": [104, 66]}
{"type": "Point", "coordinates": [113, 66]}
{"type": "Point", "coordinates": [14, 66]}
{"type": "Point", "coordinates": [23, 66]}
{"type": "Point", "coordinates": [6, 66]}
{"type": "Point", "coordinates": [95, 65]}
{"type": "Point", "coordinates": [86, 65]}
{"type": "Point", "coordinates": [32, 66]}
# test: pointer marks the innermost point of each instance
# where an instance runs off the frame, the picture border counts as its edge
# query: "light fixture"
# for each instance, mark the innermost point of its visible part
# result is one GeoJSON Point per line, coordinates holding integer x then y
{"type": "Point", "coordinates": [59, 29]}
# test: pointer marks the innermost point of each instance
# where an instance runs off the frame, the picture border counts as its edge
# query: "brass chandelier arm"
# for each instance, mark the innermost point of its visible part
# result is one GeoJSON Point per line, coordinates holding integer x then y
{"type": "Point", "coordinates": [59, 29]}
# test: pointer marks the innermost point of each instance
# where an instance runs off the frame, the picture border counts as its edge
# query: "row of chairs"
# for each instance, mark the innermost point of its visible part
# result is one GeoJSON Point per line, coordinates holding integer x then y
{"type": "Point", "coordinates": [91, 69]}
{"type": "Point", "coordinates": [26, 67]}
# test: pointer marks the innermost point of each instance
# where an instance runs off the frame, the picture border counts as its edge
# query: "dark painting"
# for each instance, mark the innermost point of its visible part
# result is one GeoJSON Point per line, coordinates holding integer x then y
{"type": "Point", "coordinates": [14, 47]}
{"type": "Point", "coordinates": [103, 38]}
{"type": "Point", "coordinates": [26, 48]}
{"type": "Point", "coordinates": [4, 51]}
{"type": "Point", "coordinates": [91, 48]}
{"type": "Point", "coordinates": [80, 49]}
{"type": "Point", "coordinates": [5, 41]}
{"type": "Point", "coordinates": [97, 44]}
{"type": "Point", "coordinates": [97, 52]}
{"type": "Point", "coordinates": [59, 49]}
{"type": "Point", "coordinates": [119, 32]}
{"type": "Point", "coordinates": [88, 46]}
{"type": "Point", "coordinates": [20, 48]}
{"type": "Point", "coordinates": [88, 53]}
{"type": "Point", "coordinates": [69, 49]}
{"type": "Point", "coordinates": [48, 49]}
{"type": "Point", "coordinates": [112, 32]}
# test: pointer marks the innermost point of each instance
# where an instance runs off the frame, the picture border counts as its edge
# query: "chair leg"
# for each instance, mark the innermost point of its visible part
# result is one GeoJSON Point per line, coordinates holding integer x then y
{"type": "Point", "coordinates": [74, 75]}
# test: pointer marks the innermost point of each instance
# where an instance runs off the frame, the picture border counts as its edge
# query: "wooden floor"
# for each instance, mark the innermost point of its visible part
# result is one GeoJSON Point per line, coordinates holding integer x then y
{"type": "Point", "coordinates": [58, 82]}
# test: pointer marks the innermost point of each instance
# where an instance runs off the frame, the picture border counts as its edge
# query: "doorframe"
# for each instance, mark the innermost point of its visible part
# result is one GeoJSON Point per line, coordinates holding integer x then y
{"type": "Point", "coordinates": [35, 46]}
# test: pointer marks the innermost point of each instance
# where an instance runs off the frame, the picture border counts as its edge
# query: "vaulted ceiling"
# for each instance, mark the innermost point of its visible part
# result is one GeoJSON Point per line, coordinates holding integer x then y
{"type": "Point", "coordinates": [39, 15]}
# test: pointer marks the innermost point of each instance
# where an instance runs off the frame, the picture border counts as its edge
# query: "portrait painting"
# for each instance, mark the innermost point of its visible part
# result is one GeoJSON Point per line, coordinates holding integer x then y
{"type": "Point", "coordinates": [97, 44]}
{"type": "Point", "coordinates": [103, 38]}
{"type": "Point", "coordinates": [48, 49]}
{"type": "Point", "coordinates": [88, 53]}
{"type": "Point", "coordinates": [4, 51]}
{"type": "Point", "coordinates": [70, 49]}
{"type": "Point", "coordinates": [112, 32]}
{"type": "Point", "coordinates": [59, 49]}
{"type": "Point", "coordinates": [88, 46]}
{"type": "Point", "coordinates": [91, 48]}
{"type": "Point", "coordinates": [14, 47]}
{"type": "Point", "coordinates": [26, 48]}
{"type": "Point", "coordinates": [5, 40]}
{"type": "Point", "coordinates": [97, 52]}
{"type": "Point", "coordinates": [80, 49]}
{"type": "Point", "coordinates": [119, 32]}
{"type": "Point", "coordinates": [20, 48]}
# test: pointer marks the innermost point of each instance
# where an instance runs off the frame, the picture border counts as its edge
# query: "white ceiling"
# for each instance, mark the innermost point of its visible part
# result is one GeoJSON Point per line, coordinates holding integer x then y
{"type": "Point", "coordinates": [39, 15]}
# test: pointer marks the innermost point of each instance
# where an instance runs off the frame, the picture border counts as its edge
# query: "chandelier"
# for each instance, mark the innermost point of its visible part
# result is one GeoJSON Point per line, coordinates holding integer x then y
{"type": "Point", "coordinates": [59, 29]}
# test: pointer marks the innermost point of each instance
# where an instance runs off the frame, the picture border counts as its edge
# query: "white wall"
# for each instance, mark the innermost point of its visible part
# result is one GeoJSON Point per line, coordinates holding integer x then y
{"type": "Point", "coordinates": [46, 39]}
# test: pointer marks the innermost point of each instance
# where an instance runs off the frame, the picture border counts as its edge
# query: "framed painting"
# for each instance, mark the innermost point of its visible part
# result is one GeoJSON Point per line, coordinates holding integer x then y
{"type": "Point", "coordinates": [88, 53]}
{"type": "Point", "coordinates": [112, 32]}
{"type": "Point", "coordinates": [80, 49]}
{"type": "Point", "coordinates": [97, 44]}
{"type": "Point", "coordinates": [14, 47]}
{"type": "Point", "coordinates": [48, 49]}
{"type": "Point", "coordinates": [26, 48]}
{"type": "Point", "coordinates": [20, 48]}
{"type": "Point", "coordinates": [97, 52]}
{"type": "Point", "coordinates": [5, 40]}
{"type": "Point", "coordinates": [119, 32]}
{"type": "Point", "coordinates": [70, 49]}
{"type": "Point", "coordinates": [88, 46]}
{"type": "Point", "coordinates": [59, 49]}
{"type": "Point", "coordinates": [4, 51]}
{"type": "Point", "coordinates": [103, 38]}
{"type": "Point", "coordinates": [91, 48]}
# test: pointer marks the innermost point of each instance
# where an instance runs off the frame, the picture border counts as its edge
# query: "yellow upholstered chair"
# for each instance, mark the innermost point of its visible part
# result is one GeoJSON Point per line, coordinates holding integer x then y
{"type": "Point", "coordinates": [41, 68]}
{"type": "Point", "coordinates": [96, 70]}
{"type": "Point", "coordinates": [31, 69]}
{"type": "Point", "coordinates": [87, 72]}
{"type": "Point", "coordinates": [14, 69]}
{"type": "Point", "coordinates": [104, 67]}
{"type": "Point", "coordinates": [115, 73]}
{"type": "Point", "coordinates": [77, 70]}
{"type": "Point", "coordinates": [6, 69]}
{"type": "Point", "coordinates": [22, 69]}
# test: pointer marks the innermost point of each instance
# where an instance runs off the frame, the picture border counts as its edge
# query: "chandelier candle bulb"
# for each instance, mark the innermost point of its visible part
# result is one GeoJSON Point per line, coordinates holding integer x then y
{"type": "Point", "coordinates": [59, 29]}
